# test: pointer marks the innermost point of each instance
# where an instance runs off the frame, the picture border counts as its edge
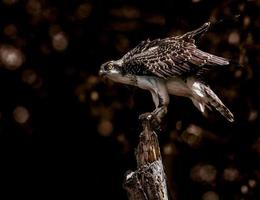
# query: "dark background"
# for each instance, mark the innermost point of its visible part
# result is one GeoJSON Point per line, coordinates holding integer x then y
{"type": "Point", "coordinates": [67, 133]}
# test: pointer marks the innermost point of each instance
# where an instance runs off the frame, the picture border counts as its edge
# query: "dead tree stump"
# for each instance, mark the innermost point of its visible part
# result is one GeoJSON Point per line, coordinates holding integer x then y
{"type": "Point", "coordinates": [148, 182]}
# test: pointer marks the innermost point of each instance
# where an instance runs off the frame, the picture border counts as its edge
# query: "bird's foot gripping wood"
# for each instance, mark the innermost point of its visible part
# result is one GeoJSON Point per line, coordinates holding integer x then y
{"type": "Point", "coordinates": [151, 119]}
{"type": "Point", "coordinates": [154, 118]}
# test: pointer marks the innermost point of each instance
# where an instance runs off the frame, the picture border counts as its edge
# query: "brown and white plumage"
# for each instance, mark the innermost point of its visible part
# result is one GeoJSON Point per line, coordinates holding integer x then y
{"type": "Point", "coordinates": [173, 65]}
{"type": "Point", "coordinates": [173, 56]}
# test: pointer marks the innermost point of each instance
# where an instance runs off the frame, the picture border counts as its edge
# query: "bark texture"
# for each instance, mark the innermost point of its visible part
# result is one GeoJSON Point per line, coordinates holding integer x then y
{"type": "Point", "coordinates": [148, 182]}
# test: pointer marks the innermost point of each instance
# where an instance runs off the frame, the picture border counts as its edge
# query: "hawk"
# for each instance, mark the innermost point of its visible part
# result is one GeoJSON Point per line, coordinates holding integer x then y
{"type": "Point", "coordinates": [173, 65]}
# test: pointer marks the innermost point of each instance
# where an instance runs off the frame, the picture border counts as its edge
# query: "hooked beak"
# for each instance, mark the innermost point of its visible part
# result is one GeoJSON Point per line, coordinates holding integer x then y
{"type": "Point", "coordinates": [102, 73]}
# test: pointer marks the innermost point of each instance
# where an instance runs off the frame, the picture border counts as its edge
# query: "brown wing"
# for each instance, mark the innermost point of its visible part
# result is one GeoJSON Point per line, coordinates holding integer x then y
{"type": "Point", "coordinates": [172, 58]}
{"type": "Point", "coordinates": [140, 48]}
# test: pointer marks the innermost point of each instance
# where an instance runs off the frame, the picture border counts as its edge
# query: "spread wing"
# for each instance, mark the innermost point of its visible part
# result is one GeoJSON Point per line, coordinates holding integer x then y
{"type": "Point", "coordinates": [140, 48]}
{"type": "Point", "coordinates": [174, 56]}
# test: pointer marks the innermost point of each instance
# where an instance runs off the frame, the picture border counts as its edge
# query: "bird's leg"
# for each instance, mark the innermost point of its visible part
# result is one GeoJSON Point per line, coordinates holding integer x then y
{"type": "Point", "coordinates": [156, 116]}
{"type": "Point", "coordinates": [160, 112]}
{"type": "Point", "coordinates": [161, 101]}
{"type": "Point", "coordinates": [161, 107]}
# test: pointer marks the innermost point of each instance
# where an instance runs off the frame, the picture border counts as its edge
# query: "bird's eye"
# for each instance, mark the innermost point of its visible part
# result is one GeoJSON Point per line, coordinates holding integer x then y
{"type": "Point", "coordinates": [109, 66]}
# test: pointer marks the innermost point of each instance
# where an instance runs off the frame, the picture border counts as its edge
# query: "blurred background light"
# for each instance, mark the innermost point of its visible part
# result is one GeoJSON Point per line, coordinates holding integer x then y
{"type": "Point", "coordinates": [256, 146]}
{"type": "Point", "coordinates": [196, 1]}
{"type": "Point", "coordinates": [128, 12]}
{"type": "Point", "coordinates": [94, 96]}
{"type": "Point", "coordinates": [60, 41]}
{"type": "Point", "coordinates": [83, 11]}
{"type": "Point", "coordinates": [10, 30]}
{"type": "Point", "coordinates": [244, 189]}
{"type": "Point", "coordinates": [34, 7]}
{"type": "Point", "coordinates": [29, 76]}
{"type": "Point", "coordinates": [252, 183]}
{"type": "Point", "coordinates": [203, 173]}
{"type": "Point", "coordinates": [10, 2]}
{"type": "Point", "coordinates": [168, 149]}
{"type": "Point", "coordinates": [210, 195]}
{"type": "Point", "coordinates": [105, 127]}
{"type": "Point", "coordinates": [21, 114]}
{"type": "Point", "coordinates": [234, 38]}
{"type": "Point", "coordinates": [192, 135]}
{"type": "Point", "coordinates": [11, 57]}
{"type": "Point", "coordinates": [247, 21]}
{"type": "Point", "coordinates": [253, 114]}
{"type": "Point", "coordinates": [231, 174]}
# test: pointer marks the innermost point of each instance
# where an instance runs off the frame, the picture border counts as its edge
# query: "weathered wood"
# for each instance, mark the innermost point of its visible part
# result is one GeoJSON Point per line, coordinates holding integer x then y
{"type": "Point", "coordinates": [148, 182]}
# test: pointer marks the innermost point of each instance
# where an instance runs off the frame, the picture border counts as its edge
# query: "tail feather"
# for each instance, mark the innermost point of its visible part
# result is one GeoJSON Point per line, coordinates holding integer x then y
{"type": "Point", "coordinates": [215, 102]}
{"type": "Point", "coordinates": [204, 97]}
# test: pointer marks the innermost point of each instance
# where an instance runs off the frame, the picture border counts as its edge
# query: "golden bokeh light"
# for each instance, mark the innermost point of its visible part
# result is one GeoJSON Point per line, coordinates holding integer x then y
{"type": "Point", "coordinates": [122, 140]}
{"type": "Point", "coordinates": [83, 11]}
{"type": "Point", "coordinates": [10, 2]}
{"type": "Point", "coordinates": [234, 38]}
{"type": "Point", "coordinates": [11, 57]}
{"type": "Point", "coordinates": [210, 195]}
{"type": "Point", "coordinates": [253, 114]}
{"type": "Point", "coordinates": [128, 12]}
{"type": "Point", "coordinates": [192, 135]}
{"type": "Point", "coordinates": [10, 30]}
{"type": "Point", "coordinates": [204, 173]}
{"type": "Point", "coordinates": [231, 174]}
{"type": "Point", "coordinates": [105, 127]}
{"type": "Point", "coordinates": [21, 114]}
{"type": "Point", "coordinates": [244, 189]}
{"type": "Point", "coordinates": [246, 21]}
{"type": "Point", "coordinates": [168, 149]}
{"type": "Point", "coordinates": [94, 96]}
{"type": "Point", "coordinates": [60, 41]}
{"type": "Point", "coordinates": [34, 7]}
{"type": "Point", "coordinates": [29, 76]}
{"type": "Point", "coordinates": [179, 125]}
{"type": "Point", "coordinates": [156, 19]}
{"type": "Point", "coordinates": [252, 183]}
{"type": "Point", "coordinates": [256, 145]}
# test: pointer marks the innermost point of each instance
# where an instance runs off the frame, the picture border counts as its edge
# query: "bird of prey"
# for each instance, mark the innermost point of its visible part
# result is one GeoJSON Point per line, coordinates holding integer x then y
{"type": "Point", "coordinates": [173, 65]}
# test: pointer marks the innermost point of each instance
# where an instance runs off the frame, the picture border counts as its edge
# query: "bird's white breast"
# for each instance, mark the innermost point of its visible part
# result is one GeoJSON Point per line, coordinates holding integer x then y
{"type": "Point", "coordinates": [176, 86]}
{"type": "Point", "coordinates": [146, 82]}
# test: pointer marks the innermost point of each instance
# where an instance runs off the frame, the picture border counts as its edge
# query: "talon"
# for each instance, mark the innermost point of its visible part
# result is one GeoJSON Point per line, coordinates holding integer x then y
{"type": "Point", "coordinates": [145, 116]}
{"type": "Point", "coordinates": [149, 117]}
{"type": "Point", "coordinates": [154, 118]}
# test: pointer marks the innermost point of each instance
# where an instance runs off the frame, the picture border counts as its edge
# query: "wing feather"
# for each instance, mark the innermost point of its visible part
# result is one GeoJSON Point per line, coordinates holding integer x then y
{"type": "Point", "coordinates": [175, 56]}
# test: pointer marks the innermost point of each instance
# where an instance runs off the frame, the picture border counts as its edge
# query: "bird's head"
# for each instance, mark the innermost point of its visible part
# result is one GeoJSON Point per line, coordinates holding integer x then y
{"type": "Point", "coordinates": [112, 70]}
